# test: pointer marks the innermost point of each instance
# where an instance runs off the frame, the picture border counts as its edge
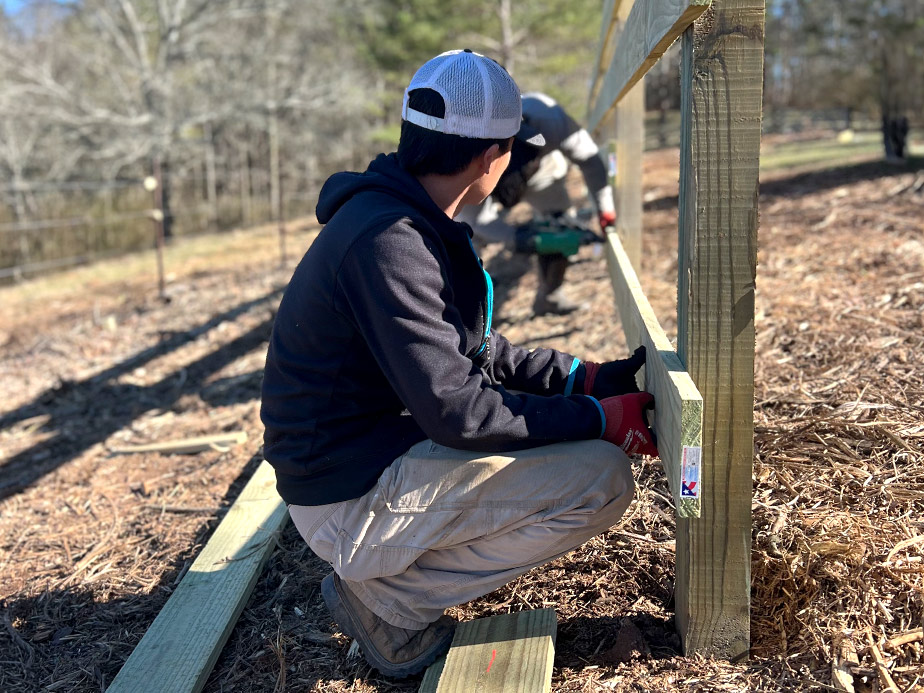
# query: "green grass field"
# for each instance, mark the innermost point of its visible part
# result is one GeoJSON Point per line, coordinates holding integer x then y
{"type": "Point", "coordinates": [776, 155]}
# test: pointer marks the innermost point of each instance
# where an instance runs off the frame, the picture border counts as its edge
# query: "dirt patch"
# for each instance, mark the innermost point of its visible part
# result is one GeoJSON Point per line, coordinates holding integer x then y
{"type": "Point", "coordinates": [92, 545]}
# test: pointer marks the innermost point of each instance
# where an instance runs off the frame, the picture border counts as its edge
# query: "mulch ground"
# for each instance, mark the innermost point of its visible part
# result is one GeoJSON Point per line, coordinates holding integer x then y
{"type": "Point", "coordinates": [92, 543]}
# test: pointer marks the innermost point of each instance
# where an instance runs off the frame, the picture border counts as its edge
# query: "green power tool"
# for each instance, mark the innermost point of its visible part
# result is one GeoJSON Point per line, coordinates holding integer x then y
{"type": "Point", "coordinates": [554, 236]}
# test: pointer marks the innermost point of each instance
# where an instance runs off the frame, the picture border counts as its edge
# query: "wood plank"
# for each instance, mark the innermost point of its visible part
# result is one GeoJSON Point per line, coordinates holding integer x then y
{"type": "Point", "coordinates": [652, 26]}
{"type": "Point", "coordinates": [180, 648]}
{"type": "Point", "coordinates": [431, 677]}
{"type": "Point", "coordinates": [511, 653]}
{"type": "Point", "coordinates": [605, 48]}
{"type": "Point", "coordinates": [218, 441]}
{"type": "Point", "coordinates": [721, 85]}
{"type": "Point", "coordinates": [678, 414]}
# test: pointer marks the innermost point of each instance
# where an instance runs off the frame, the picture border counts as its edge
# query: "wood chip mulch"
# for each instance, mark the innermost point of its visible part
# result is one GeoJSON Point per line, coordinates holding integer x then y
{"type": "Point", "coordinates": [92, 544]}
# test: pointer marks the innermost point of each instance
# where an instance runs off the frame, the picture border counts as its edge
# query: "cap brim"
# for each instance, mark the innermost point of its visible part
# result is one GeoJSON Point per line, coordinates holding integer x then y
{"type": "Point", "coordinates": [530, 135]}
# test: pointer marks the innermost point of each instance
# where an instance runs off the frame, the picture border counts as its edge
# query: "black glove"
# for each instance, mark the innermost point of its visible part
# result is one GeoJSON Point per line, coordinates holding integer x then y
{"type": "Point", "coordinates": [614, 377]}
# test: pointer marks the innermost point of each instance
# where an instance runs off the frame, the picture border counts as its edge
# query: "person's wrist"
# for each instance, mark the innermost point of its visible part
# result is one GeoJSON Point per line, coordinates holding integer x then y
{"type": "Point", "coordinates": [590, 375]}
{"type": "Point", "coordinates": [602, 413]}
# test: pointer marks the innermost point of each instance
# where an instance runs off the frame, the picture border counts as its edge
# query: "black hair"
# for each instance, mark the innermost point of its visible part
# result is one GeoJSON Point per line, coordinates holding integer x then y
{"type": "Point", "coordinates": [422, 151]}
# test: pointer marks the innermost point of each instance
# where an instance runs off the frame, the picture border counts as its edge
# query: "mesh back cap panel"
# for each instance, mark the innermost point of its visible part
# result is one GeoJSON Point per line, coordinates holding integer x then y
{"type": "Point", "coordinates": [481, 98]}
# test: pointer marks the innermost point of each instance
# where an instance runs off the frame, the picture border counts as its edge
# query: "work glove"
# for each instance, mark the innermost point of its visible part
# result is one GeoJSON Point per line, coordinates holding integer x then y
{"type": "Point", "coordinates": [606, 219]}
{"type": "Point", "coordinates": [626, 424]}
{"type": "Point", "coordinates": [614, 377]}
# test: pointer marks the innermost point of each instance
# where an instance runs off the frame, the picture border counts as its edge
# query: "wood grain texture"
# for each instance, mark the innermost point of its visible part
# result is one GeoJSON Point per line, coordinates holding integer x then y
{"type": "Point", "coordinates": [511, 653]}
{"type": "Point", "coordinates": [652, 26]}
{"type": "Point", "coordinates": [178, 651]}
{"type": "Point", "coordinates": [721, 85]}
{"type": "Point", "coordinates": [678, 414]}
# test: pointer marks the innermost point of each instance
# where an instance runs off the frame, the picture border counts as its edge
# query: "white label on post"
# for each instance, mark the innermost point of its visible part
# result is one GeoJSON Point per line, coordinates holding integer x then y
{"type": "Point", "coordinates": [689, 472]}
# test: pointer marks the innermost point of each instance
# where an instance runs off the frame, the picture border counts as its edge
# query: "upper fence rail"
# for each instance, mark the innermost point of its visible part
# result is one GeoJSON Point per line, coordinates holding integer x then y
{"type": "Point", "coordinates": [652, 26]}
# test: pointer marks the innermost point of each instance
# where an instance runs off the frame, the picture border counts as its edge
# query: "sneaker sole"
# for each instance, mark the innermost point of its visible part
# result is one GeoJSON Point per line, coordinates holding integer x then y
{"type": "Point", "coordinates": [349, 623]}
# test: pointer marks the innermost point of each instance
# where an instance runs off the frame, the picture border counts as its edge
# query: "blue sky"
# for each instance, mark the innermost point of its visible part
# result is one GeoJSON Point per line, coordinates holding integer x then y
{"type": "Point", "coordinates": [12, 5]}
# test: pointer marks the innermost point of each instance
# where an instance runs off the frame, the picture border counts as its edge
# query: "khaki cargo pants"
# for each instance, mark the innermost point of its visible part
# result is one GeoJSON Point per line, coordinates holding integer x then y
{"type": "Point", "coordinates": [445, 526]}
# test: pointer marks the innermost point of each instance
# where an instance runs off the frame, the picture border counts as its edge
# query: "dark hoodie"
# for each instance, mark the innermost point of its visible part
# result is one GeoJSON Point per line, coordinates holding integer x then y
{"type": "Point", "coordinates": [383, 339]}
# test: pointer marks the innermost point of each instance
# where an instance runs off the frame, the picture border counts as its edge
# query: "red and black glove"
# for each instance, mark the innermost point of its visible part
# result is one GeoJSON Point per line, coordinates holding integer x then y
{"type": "Point", "coordinates": [627, 425]}
{"type": "Point", "coordinates": [606, 219]}
{"type": "Point", "coordinates": [614, 377]}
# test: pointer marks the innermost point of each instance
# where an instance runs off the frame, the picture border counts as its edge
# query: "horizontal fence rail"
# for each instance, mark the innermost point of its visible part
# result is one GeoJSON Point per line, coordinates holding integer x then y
{"type": "Point", "coordinates": [652, 26]}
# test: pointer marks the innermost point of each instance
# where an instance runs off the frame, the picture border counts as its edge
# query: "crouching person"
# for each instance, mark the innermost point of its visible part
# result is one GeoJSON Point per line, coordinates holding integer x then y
{"type": "Point", "coordinates": [425, 457]}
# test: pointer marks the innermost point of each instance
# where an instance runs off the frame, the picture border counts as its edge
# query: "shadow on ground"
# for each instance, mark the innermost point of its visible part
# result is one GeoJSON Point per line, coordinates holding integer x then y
{"type": "Point", "coordinates": [72, 638]}
{"type": "Point", "coordinates": [84, 413]}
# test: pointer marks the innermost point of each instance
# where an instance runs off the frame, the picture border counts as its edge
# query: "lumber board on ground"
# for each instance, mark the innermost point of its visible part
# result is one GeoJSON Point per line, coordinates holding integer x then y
{"type": "Point", "coordinates": [180, 648]}
{"type": "Point", "coordinates": [511, 653]}
{"type": "Point", "coordinates": [431, 677]}
{"type": "Point", "coordinates": [652, 26]}
{"type": "Point", "coordinates": [721, 98]}
{"type": "Point", "coordinates": [218, 441]}
{"type": "Point", "coordinates": [678, 414]}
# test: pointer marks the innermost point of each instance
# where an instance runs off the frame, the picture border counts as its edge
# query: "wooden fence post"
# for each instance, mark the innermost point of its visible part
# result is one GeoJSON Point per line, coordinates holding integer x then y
{"type": "Point", "coordinates": [721, 85]}
{"type": "Point", "coordinates": [157, 189]}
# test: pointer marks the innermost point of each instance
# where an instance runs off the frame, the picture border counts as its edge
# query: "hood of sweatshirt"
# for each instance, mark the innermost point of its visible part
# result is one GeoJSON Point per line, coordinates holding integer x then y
{"type": "Point", "coordinates": [384, 174]}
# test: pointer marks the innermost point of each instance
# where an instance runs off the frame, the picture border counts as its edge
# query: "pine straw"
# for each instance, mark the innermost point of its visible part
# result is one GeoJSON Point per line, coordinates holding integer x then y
{"type": "Point", "coordinates": [90, 552]}
{"type": "Point", "coordinates": [839, 494]}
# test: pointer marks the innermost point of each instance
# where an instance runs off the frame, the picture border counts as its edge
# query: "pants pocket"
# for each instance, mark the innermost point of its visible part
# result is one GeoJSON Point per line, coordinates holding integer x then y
{"type": "Point", "coordinates": [358, 562]}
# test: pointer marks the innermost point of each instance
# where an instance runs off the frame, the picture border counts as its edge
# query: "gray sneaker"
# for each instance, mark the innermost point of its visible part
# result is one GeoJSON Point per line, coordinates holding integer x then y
{"type": "Point", "coordinates": [395, 652]}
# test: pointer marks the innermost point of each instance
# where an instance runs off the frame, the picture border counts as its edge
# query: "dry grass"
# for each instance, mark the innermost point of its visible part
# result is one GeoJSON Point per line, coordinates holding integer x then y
{"type": "Point", "coordinates": [92, 545]}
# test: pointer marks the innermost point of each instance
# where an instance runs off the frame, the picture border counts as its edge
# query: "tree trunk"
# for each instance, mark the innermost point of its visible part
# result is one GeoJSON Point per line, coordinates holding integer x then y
{"type": "Point", "coordinates": [275, 191]}
{"type": "Point", "coordinates": [505, 14]}
{"type": "Point", "coordinates": [246, 187]}
{"type": "Point", "coordinates": [894, 136]}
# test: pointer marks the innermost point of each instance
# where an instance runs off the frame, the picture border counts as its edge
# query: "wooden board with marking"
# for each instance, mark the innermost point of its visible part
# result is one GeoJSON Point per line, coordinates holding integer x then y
{"type": "Point", "coordinates": [511, 653]}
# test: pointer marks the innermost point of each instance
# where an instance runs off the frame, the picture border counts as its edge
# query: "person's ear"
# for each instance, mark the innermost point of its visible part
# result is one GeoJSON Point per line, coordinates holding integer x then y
{"type": "Point", "coordinates": [488, 157]}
